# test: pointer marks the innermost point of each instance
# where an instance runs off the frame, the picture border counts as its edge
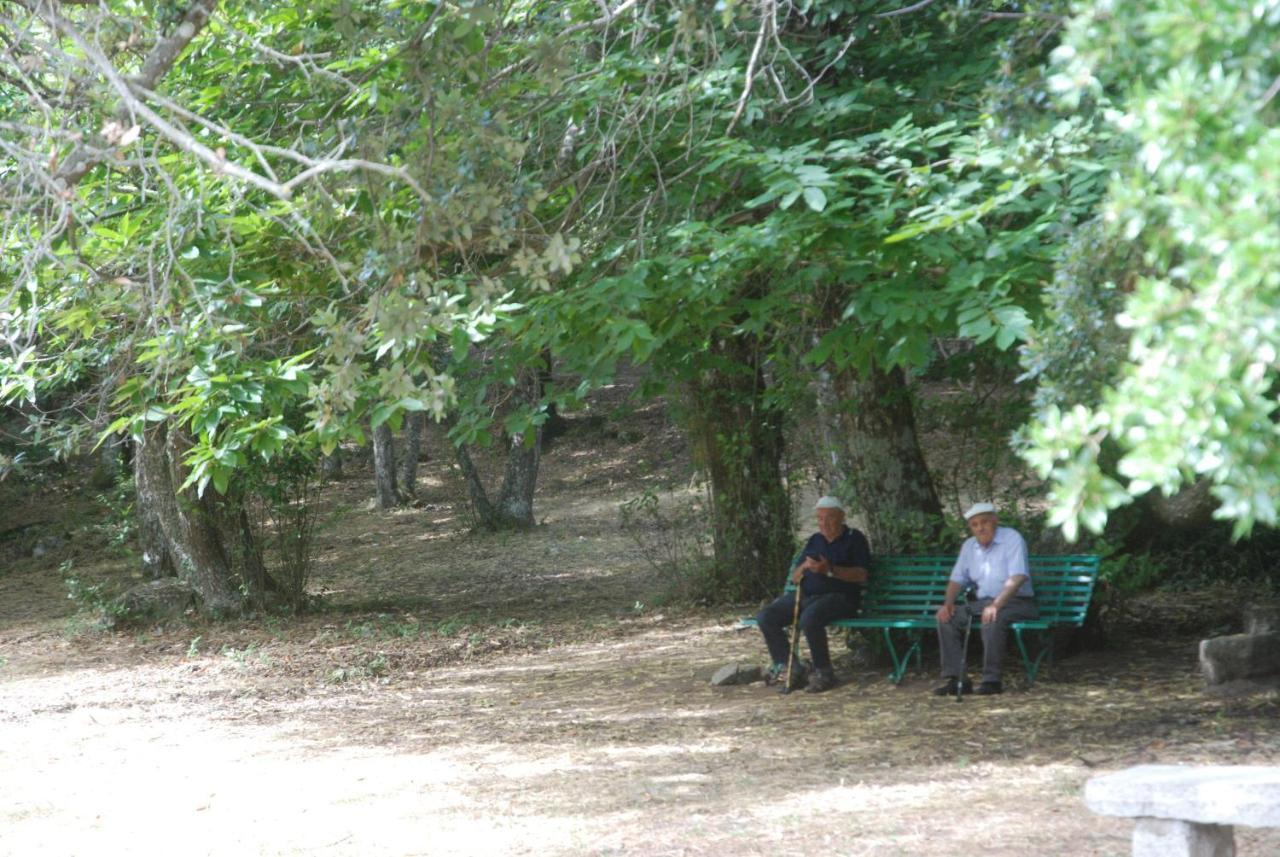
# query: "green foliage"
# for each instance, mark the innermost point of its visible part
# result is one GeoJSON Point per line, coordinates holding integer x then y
{"type": "Point", "coordinates": [388, 207]}
{"type": "Point", "coordinates": [1080, 348]}
{"type": "Point", "coordinates": [234, 305]}
{"type": "Point", "coordinates": [89, 595]}
{"type": "Point", "coordinates": [1190, 86]}
{"type": "Point", "coordinates": [281, 498]}
{"type": "Point", "coordinates": [1129, 574]}
{"type": "Point", "coordinates": [119, 523]}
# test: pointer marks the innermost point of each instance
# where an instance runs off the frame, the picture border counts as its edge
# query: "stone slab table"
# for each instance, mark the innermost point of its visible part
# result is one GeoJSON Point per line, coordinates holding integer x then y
{"type": "Point", "coordinates": [1188, 810]}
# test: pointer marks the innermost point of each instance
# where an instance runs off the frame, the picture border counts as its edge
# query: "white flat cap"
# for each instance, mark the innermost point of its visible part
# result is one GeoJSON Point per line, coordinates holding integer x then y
{"type": "Point", "coordinates": [979, 509]}
{"type": "Point", "coordinates": [829, 502]}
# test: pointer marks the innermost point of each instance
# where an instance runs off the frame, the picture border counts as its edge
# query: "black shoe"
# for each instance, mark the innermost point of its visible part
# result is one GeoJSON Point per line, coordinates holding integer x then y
{"type": "Point", "coordinates": [989, 688]}
{"type": "Point", "coordinates": [821, 680]}
{"type": "Point", "coordinates": [949, 689]}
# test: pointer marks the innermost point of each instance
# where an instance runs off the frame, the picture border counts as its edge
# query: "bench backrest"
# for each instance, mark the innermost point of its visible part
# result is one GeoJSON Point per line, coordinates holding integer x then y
{"type": "Point", "coordinates": [913, 587]}
{"type": "Point", "coordinates": [1063, 586]}
{"type": "Point", "coordinates": [906, 587]}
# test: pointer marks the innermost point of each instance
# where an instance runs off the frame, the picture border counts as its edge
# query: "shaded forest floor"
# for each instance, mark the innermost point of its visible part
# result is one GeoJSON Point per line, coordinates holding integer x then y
{"type": "Point", "coordinates": [522, 694]}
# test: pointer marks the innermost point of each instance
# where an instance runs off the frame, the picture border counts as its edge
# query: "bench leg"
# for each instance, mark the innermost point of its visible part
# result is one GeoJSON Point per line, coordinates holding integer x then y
{"type": "Point", "coordinates": [901, 662]}
{"type": "Point", "coordinates": [1167, 837]}
{"type": "Point", "coordinates": [1031, 664]}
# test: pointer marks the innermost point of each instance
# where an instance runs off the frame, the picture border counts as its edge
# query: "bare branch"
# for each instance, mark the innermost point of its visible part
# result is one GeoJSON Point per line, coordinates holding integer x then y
{"type": "Point", "coordinates": [1270, 93]}
{"type": "Point", "coordinates": [751, 65]}
{"type": "Point", "coordinates": [133, 107]}
{"type": "Point", "coordinates": [166, 51]}
{"type": "Point", "coordinates": [906, 10]}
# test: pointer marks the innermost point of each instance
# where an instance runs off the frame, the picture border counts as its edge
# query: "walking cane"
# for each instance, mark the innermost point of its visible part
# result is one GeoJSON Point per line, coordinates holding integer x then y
{"type": "Point", "coordinates": [795, 641]}
{"type": "Point", "coordinates": [964, 656]}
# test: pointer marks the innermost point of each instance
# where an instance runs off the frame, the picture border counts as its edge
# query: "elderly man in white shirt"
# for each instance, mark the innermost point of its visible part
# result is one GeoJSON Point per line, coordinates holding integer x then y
{"type": "Point", "coordinates": [994, 562]}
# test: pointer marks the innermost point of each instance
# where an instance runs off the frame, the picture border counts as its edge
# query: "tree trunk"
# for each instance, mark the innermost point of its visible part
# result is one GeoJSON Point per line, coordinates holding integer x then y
{"type": "Point", "coordinates": [157, 561]}
{"type": "Point", "coordinates": [554, 425]}
{"type": "Point", "coordinates": [245, 553]}
{"type": "Point", "coordinates": [514, 507]}
{"type": "Point", "coordinates": [738, 439]}
{"type": "Point", "coordinates": [384, 467]}
{"type": "Point", "coordinates": [190, 524]}
{"type": "Point", "coordinates": [515, 503]}
{"type": "Point", "coordinates": [879, 470]}
{"type": "Point", "coordinates": [412, 440]}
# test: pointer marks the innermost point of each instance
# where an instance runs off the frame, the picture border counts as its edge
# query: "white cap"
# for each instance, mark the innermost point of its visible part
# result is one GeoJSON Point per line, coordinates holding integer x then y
{"type": "Point", "coordinates": [979, 509]}
{"type": "Point", "coordinates": [829, 502]}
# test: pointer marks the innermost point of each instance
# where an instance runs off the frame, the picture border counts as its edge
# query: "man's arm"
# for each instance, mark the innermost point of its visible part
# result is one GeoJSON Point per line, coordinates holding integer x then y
{"type": "Point", "coordinates": [948, 608]}
{"type": "Point", "coordinates": [1010, 589]}
{"type": "Point", "coordinates": [847, 573]}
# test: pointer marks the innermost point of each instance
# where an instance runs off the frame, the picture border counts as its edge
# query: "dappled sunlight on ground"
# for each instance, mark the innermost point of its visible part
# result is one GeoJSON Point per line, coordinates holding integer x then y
{"type": "Point", "coordinates": [599, 747]}
{"type": "Point", "coordinates": [519, 694]}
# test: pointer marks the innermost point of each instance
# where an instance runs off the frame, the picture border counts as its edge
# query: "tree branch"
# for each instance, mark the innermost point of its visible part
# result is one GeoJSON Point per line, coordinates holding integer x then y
{"type": "Point", "coordinates": [906, 10]}
{"type": "Point", "coordinates": [751, 66]}
{"type": "Point", "coordinates": [84, 159]}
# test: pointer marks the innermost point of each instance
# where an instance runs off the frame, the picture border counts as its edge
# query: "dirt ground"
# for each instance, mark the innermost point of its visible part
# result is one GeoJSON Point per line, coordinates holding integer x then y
{"type": "Point", "coordinates": [462, 694]}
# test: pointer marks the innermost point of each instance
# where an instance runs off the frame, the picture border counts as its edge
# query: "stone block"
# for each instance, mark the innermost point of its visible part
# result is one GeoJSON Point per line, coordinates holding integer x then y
{"type": "Point", "coordinates": [155, 601]}
{"type": "Point", "coordinates": [736, 674]}
{"type": "Point", "coordinates": [1211, 794]}
{"type": "Point", "coordinates": [1239, 656]}
{"type": "Point", "coordinates": [1163, 837]}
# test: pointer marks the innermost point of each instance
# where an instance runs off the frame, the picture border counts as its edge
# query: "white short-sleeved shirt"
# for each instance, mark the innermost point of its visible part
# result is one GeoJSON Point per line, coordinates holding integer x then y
{"type": "Point", "coordinates": [988, 568]}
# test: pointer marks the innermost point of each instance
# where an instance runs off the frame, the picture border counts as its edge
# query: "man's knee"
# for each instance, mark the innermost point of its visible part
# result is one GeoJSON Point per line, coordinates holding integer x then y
{"type": "Point", "coordinates": [774, 615]}
{"type": "Point", "coordinates": [996, 629]}
{"type": "Point", "coordinates": [813, 625]}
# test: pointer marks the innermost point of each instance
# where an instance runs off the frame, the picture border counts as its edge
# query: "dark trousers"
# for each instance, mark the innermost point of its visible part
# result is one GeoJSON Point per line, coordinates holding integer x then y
{"type": "Point", "coordinates": [815, 612]}
{"type": "Point", "coordinates": [994, 636]}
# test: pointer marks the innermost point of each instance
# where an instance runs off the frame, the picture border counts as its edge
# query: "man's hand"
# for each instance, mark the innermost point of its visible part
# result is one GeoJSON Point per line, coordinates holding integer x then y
{"type": "Point", "coordinates": [817, 564]}
{"type": "Point", "coordinates": [945, 612]}
{"type": "Point", "coordinates": [989, 613]}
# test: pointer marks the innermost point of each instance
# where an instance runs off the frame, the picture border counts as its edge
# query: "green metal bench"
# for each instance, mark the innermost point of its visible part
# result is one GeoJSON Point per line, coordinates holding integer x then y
{"type": "Point", "coordinates": [1063, 587]}
{"type": "Point", "coordinates": [904, 593]}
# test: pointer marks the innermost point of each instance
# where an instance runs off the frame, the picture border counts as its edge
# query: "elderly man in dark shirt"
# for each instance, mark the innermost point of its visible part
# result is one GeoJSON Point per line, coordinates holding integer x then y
{"type": "Point", "coordinates": [830, 577]}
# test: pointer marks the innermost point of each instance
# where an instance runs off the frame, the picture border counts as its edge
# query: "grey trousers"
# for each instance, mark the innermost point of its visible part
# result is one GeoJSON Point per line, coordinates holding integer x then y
{"type": "Point", "coordinates": [994, 637]}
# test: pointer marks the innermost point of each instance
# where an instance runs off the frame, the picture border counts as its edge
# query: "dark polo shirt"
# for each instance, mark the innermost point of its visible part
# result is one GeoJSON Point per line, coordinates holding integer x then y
{"type": "Point", "coordinates": [849, 548]}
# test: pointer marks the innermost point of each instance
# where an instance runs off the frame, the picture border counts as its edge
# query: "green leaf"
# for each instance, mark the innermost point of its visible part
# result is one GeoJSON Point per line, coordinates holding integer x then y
{"type": "Point", "coordinates": [815, 198]}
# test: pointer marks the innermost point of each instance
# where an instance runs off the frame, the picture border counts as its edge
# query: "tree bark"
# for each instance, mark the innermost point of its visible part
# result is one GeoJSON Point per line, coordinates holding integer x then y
{"type": "Point", "coordinates": [157, 561]}
{"type": "Point", "coordinates": [513, 509]}
{"type": "Point", "coordinates": [877, 466]}
{"type": "Point", "coordinates": [384, 467]}
{"type": "Point", "coordinates": [555, 424]}
{"type": "Point", "coordinates": [412, 442]}
{"type": "Point", "coordinates": [515, 503]}
{"type": "Point", "coordinates": [190, 524]}
{"type": "Point", "coordinates": [738, 440]}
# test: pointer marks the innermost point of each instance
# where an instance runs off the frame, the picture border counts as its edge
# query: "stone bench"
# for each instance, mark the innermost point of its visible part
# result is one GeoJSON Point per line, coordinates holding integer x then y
{"type": "Point", "coordinates": [1188, 811]}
